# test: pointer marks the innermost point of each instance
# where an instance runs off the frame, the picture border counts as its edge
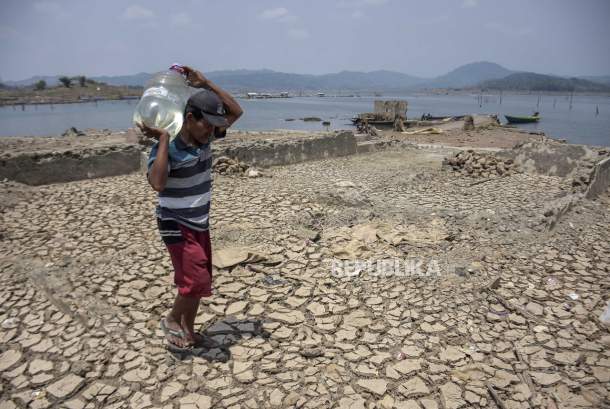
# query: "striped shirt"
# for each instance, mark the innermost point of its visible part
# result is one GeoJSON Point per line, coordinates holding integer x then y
{"type": "Point", "coordinates": [186, 196]}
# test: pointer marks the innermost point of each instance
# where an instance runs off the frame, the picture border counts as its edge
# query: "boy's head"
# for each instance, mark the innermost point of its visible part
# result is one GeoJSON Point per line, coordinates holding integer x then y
{"type": "Point", "coordinates": [204, 111]}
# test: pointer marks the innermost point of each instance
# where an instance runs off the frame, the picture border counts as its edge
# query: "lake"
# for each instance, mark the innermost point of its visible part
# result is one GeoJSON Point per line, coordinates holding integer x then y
{"type": "Point", "coordinates": [578, 124]}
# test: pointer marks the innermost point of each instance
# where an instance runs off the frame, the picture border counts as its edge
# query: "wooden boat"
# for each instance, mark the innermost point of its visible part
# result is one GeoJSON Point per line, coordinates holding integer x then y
{"type": "Point", "coordinates": [522, 119]}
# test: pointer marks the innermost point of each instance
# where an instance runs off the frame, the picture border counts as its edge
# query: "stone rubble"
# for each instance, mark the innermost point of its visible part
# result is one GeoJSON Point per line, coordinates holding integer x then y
{"type": "Point", "coordinates": [224, 165]}
{"type": "Point", "coordinates": [478, 164]}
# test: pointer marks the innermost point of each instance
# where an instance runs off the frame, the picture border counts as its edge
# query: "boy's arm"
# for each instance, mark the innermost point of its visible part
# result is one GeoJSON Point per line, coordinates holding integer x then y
{"type": "Point", "coordinates": [158, 171]}
{"type": "Point", "coordinates": [198, 80]}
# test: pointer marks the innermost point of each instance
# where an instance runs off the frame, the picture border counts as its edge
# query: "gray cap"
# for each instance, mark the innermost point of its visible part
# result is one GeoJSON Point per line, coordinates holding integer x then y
{"type": "Point", "coordinates": [210, 106]}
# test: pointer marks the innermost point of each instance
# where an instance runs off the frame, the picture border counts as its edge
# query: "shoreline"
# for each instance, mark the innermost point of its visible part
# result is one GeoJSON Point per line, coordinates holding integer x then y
{"type": "Point", "coordinates": [485, 135]}
{"type": "Point", "coordinates": [414, 93]}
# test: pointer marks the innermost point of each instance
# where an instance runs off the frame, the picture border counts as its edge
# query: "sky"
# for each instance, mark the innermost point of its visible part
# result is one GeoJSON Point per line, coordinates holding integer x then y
{"type": "Point", "coordinates": [422, 38]}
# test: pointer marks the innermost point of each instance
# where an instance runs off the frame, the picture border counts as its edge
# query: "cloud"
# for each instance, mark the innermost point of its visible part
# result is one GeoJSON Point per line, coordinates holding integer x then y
{"type": "Point", "coordinates": [469, 3]}
{"type": "Point", "coordinates": [181, 20]}
{"type": "Point", "coordinates": [298, 33]}
{"type": "Point", "coordinates": [347, 4]}
{"type": "Point", "coordinates": [443, 18]}
{"type": "Point", "coordinates": [273, 14]}
{"type": "Point", "coordinates": [509, 31]}
{"type": "Point", "coordinates": [280, 14]}
{"type": "Point", "coordinates": [357, 14]}
{"type": "Point", "coordinates": [374, 2]}
{"type": "Point", "coordinates": [49, 8]}
{"type": "Point", "coordinates": [136, 12]}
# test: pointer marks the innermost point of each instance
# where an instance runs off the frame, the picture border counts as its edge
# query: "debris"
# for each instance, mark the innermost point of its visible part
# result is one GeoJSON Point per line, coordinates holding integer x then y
{"type": "Point", "coordinates": [72, 131]}
{"type": "Point", "coordinates": [10, 323]}
{"type": "Point", "coordinates": [605, 316]}
{"type": "Point", "coordinates": [495, 396]}
{"type": "Point", "coordinates": [573, 296]}
{"type": "Point", "coordinates": [271, 281]}
{"type": "Point", "coordinates": [232, 256]}
{"type": "Point", "coordinates": [312, 352]}
{"type": "Point", "coordinates": [425, 131]}
{"type": "Point", "coordinates": [224, 165]}
{"type": "Point", "coordinates": [468, 123]}
{"type": "Point", "coordinates": [253, 173]}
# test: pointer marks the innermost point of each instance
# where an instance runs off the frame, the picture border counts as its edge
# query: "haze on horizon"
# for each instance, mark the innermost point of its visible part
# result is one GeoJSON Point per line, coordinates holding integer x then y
{"type": "Point", "coordinates": [425, 39]}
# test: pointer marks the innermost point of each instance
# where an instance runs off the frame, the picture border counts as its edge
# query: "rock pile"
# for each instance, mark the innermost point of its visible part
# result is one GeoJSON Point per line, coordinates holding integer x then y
{"type": "Point", "coordinates": [72, 132]}
{"type": "Point", "coordinates": [224, 165]}
{"type": "Point", "coordinates": [478, 164]}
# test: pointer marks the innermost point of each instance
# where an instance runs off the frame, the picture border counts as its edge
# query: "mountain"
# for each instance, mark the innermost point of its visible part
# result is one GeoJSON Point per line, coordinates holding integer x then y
{"type": "Point", "coordinates": [138, 79]}
{"type": "Point", "coordinates": [267, 80]}
{"type": "Point", "coordinates": [602, 79]}
{"type": "Point", "coordinates": [468, 75]}
{"type": "Point", "coordinates": [529, 81]}
{"type": "Point", "coordinates": [51, 80]}
{"type": "Point", "coordinates": [354, 80]}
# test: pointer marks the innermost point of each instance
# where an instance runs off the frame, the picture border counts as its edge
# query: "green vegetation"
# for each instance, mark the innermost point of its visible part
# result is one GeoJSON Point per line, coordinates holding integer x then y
{"type": "Point", "coordinates": [40, 85]}
{"type": "Point", "coordinates": [65, 81]}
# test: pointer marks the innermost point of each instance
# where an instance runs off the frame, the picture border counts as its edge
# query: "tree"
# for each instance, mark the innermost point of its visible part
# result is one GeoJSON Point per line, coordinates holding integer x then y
{"type": "Point", "coordinates": [40, 85]}
{"type": "Point", "coordinates": [82, 80]}
{"type": "Point", "coordinates": [66, 81]}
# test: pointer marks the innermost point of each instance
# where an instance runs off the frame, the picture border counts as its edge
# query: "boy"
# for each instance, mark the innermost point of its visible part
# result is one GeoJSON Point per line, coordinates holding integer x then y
{"type": "Point", "coordinates": [181, 171]}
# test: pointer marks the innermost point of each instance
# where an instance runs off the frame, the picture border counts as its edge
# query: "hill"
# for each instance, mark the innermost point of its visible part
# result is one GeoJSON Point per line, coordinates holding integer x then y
{"type": "Point", "coordinates": [468, 75]}
{"type": "Point", "coordinates": [529, 81]}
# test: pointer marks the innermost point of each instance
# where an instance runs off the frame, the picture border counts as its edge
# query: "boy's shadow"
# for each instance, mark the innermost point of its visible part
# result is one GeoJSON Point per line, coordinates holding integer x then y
{"type": "Point", "coordinates": [219, 337]}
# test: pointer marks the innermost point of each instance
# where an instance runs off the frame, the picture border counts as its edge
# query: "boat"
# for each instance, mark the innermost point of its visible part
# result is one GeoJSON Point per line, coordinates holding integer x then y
{"type": "Point", "coordinates": [522, 119]}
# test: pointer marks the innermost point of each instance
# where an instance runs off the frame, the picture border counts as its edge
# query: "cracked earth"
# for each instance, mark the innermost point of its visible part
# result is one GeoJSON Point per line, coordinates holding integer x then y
{"type": "Point", "coordinates": [510, 319]}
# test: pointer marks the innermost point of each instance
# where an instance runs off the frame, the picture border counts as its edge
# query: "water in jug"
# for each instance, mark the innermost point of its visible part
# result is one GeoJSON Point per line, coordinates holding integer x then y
{"type": "Point", "coordinates": [163, 101]}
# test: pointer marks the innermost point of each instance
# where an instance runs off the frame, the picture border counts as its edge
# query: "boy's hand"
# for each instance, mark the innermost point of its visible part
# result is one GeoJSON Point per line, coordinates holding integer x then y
{"type": "Point", "coordinates": [153, 133]}
{"type": "Point", "coordinates": [195, 78]}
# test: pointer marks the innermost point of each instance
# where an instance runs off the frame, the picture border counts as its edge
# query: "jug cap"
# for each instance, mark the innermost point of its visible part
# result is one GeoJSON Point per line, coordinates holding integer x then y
{"type": "Point", "coordinates": [178, 68]}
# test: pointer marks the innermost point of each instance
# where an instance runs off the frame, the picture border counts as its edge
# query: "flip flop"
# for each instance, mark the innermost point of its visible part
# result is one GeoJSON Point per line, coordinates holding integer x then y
{"type": "Point", "coordinates": [174, 333]}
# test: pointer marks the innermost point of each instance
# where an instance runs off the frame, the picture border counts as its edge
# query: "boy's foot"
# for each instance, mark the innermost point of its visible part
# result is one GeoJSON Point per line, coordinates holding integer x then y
{"type": "Point", "coordinates": [174, 334]}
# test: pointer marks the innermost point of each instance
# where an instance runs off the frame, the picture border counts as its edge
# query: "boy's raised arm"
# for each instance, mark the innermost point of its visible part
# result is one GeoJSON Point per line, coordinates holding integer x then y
{"type": "Point", "coordinates": [198, 80]}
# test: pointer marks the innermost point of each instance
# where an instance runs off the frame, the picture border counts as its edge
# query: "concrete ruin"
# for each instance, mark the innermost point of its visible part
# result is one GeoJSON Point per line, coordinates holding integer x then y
{"type": "Point", "coordinates": [391, 110]}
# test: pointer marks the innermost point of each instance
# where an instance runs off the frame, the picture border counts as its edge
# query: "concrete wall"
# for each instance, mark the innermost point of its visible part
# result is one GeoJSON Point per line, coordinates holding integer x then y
{"type": "Point", "coordinates": [284, 152]}
{"type": "Point", "coordinates": [600, 179]}
{"type": "Point", "coordinates": [58, 167]}
{"type": "Point", "coordinates": [552, 158]}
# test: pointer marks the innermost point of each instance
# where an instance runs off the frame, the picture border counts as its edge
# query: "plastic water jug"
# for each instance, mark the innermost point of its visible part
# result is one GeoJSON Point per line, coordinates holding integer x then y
{"type": "Point", "coordinates": [163, 101]}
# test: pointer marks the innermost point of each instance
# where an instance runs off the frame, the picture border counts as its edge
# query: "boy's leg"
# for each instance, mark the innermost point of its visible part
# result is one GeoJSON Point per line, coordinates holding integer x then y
{"type": "Point", "coordinates": [183, 308]}
{"type": "Point", "coordinates": [192, 275]}
{"type": "Point", "coordinates": [188, 319]}
{"type": "Point", "coordinates": [203, 277]}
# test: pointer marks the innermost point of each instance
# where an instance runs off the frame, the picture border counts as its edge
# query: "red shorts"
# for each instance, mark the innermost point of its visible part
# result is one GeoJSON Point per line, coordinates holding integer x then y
{"type": "Point", "coordinates": [191, 254]}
